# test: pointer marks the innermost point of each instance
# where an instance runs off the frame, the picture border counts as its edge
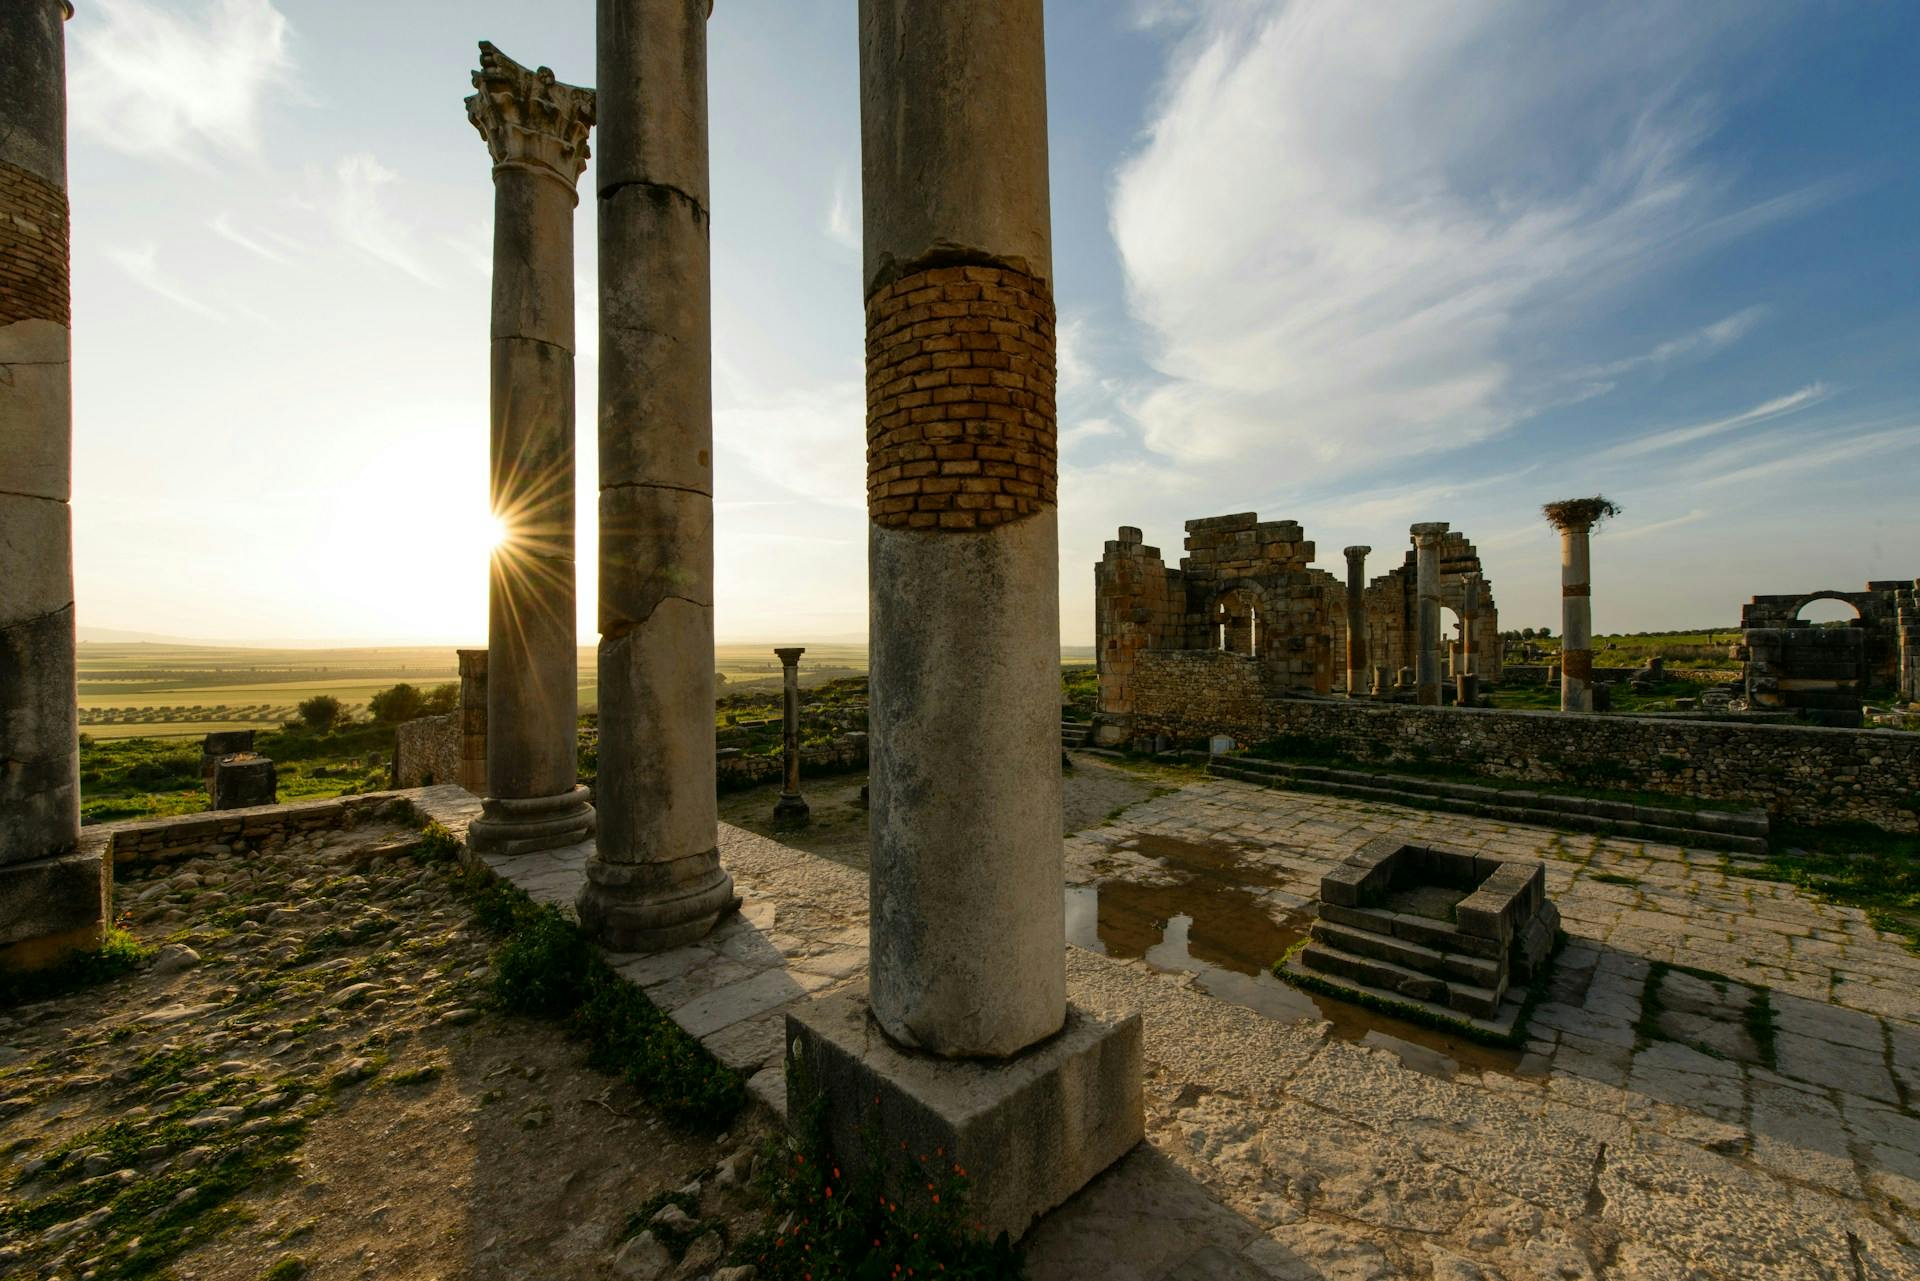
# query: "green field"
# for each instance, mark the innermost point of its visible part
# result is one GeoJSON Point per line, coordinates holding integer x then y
{"type": "Point", "coordinates": [1705, 650]}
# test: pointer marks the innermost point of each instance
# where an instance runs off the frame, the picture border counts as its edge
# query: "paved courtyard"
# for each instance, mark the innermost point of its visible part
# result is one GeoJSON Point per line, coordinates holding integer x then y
{"type": "Point", "coordinates": [1717, 1088]}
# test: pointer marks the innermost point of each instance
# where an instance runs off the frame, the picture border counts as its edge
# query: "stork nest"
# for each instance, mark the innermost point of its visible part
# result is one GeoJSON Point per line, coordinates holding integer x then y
{"type": "Point", "coordinates": [1577, 513]}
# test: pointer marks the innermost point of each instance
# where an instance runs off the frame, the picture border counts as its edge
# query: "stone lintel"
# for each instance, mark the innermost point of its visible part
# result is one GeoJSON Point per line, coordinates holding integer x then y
{"type": "Point", "coordinates": [51, 906]}
{"type": "Point", "coordinates": [1030, 1131]}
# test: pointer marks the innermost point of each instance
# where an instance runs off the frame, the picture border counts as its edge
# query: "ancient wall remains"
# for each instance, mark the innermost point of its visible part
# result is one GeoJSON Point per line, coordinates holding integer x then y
{"type": "Point", "coordinates": [1879, 622]}
{"type": "Point", "coordinates": [1393, 609]}
{"type": "Point", "coordinates": [427, 751]}
{"type": "Point", "coordinates": [1799, 774]}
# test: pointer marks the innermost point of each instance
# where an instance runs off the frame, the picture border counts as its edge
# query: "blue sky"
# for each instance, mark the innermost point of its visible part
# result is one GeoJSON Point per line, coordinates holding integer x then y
{"type": "Point", "coordinates": [1352, 265]}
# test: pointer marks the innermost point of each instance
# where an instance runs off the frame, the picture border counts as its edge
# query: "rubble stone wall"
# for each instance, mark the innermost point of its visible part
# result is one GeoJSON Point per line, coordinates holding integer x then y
{"type": "Point", "coordinates": [1799, 774]}
{"type": "Point", "coordinates": [427, 751]}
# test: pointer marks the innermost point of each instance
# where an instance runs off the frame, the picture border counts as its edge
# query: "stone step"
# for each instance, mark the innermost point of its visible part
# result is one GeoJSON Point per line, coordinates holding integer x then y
{"type": "Point", "coordinates": [1451, 966]}
{"type": "Point", "coordinates": [1717, 829]}
{"type": "Point", "coordinates": [1399, 980]}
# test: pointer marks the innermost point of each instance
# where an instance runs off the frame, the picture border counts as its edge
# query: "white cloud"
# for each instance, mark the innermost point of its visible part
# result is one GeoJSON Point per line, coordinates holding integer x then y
{"type": "Point", "coordinates": [356, 208]}
{"type": "Point", "coordinates": [223, 227]}
{"type": "Point", "coordinates": [1088, 429]}
{"type": "Point", "coordinates": [810, 442]}
{"type": "Point", "coordinates": [1806, 397]}
{"type": "Point", "coordinates": [1673, 522]}
{"type": "Point", "coordinates": [187, 81]}
{"type": "Point", "coordinates": [142, 264]}
{"type": "Point", "coordinates": [1704, 341]}
{"type": "Point", "coordinates": [843, 215]}
{"type": "Point", "coordinates": [1340, 239]}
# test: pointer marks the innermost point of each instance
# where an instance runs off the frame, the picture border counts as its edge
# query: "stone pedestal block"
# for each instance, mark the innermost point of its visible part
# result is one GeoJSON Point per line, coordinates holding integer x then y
{"type": "Point", "coordinates": [52, 906]}
{"type": "Point", "coordinates": [243, 780]}
{"type": "Point", "coordinates": [1036, 1127]}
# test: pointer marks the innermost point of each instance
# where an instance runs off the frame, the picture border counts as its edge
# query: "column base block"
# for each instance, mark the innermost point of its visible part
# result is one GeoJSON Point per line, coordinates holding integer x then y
{"type": "Point", "coordinates": [52, 906]}
{"type": "Point", "coordinates": [625, 908]}
{"type": "Point", "coordinates": [791, 810]}
{"type": "Point", "coordinates": [1030, 1131]}
{"type": "Point", "coordinates": [512, 825]}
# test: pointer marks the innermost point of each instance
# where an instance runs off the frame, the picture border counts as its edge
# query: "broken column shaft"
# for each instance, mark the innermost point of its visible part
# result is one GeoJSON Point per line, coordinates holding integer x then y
{"type": "Point", "coordinates": [51, 894]}
{"type": "Point", "coordinates": [655, 879]}
{"type": "Point", "coordinates": [791, 808]}
{"type": "Point", "coordinates": [1426, 561]}
{"type": "Point", "coordinates": [536, 131]}
{"type": "Point", "coordinates": [1356, 620]}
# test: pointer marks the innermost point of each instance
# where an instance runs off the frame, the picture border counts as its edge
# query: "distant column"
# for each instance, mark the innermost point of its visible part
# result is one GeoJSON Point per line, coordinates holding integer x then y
{"type": "Point", "coordinates": [1575, 519]}
{"type": "Point", "coordinates": [536, 131]}
{"type": "Point", "coordinates": [655, 879]}
{"type": "Point", "coordinates": [791, 808]}
{"type": "Point", "coordinates": [1426, 559]}
{"type": "Point", "coordinates": [473, 720]}
{"type": "Point", "coordinates": [1467, 679]}
{"type": "Point", "coordinates": [1356, 619]}
{"type": "Point", "coordinates": [51, 894]}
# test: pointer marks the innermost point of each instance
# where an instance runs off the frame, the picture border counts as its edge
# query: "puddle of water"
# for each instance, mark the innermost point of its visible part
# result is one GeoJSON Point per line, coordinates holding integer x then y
{"type": "Point", "coordinates": [1213, 923]}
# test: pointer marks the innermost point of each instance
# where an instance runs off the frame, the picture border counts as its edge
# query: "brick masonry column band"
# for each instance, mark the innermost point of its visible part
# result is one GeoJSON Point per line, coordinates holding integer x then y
{"type": "Point", "coordinates": [1576, 618]}
{"type": "Point", "coordinates": [967, 927]}
{"type": "Point", "coordinates": [1357, 620]}
{"type": "Point", "coordinates": [536, 132]}
{"type": "Point", "coordinates": [52, 890]}
{"type": "Point", "coordinates": [791, 808]}
{"type": "Point", "coordinates": [1426, 549]}
{"type": "Point", "coordinates": [655, 879]}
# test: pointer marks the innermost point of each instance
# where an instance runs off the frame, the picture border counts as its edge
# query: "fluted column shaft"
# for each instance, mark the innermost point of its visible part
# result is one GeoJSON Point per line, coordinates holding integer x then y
{"type": "Point", "coordinates": [536, 132]}
{"type": "Point", "coordinates": [1356, 620]}
{"type": "Point", "coordinates": [968, 927]}
{"type": "Point", "coordinates": [655, 880]}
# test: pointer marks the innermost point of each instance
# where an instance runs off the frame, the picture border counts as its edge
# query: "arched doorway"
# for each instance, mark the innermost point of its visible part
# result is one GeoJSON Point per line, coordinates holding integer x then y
{"type": "Point", "coordinates": [1237, 624]}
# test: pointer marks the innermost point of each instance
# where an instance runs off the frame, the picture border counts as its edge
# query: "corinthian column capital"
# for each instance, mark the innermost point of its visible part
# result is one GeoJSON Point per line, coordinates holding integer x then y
{"type": "Point", "coordinates": [529, 119]}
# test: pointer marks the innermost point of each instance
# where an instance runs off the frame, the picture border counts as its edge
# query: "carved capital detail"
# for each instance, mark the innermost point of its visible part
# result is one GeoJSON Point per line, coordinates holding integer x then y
{"type": "Point", "coordinates": [529, 119]}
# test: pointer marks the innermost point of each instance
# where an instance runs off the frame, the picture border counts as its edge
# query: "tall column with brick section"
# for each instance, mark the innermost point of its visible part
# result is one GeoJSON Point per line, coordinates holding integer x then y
{"type": "Point", "coordinates": [473, 720]}
{"type": "Point", "coordinates": [52, 892]}
{"type": "Point", "coordinates": [1576, 616]}
{"type": "Point", "coordinates": [1426, 548]}
{"type": "Point", "coordinates": [655, 879]}
{"type": "Point", "coordinates": [1356, 620]}
{"type": "Point", "coordinates": [967, 929]}
{"type": "Point", "coordinates": [536, 133]}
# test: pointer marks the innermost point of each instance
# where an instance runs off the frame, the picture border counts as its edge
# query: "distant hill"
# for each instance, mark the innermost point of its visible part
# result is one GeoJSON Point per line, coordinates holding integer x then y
{"type": "Point", "coordinates": [115, 636]}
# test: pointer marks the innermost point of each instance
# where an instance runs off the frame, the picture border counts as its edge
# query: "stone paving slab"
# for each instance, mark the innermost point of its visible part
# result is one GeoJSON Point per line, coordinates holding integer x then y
{"type": "Point", "coordinates": [1285, 1148]}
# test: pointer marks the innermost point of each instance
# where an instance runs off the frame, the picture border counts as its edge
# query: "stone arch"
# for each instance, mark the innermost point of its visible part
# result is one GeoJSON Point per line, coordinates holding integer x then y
{"type": "Point", "coordinates": [1239, 613]}
{"type": "Point", "coordinates": [1849, 599]}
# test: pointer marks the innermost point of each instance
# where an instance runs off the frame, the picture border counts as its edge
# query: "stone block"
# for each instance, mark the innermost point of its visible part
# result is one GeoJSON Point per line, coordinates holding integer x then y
{"type": "Point", "coordinates": [1030, 1131]}
{"type": "Point", "coordinates": [51, 906]}
{"type": "Point", "coordinates": [244, 780]}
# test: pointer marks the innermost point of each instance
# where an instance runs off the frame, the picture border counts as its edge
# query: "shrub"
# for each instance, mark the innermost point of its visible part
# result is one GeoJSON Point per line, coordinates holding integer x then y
{"type": "Point", "coordinates": [321, 712]}
{"type": "Point", "coordinates": [403, 702]}
{"type": "Point", "coordinates": [440, 700]}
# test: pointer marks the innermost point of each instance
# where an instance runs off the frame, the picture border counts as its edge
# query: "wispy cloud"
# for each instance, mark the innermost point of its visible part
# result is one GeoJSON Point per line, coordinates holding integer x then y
{"type": "Point", "coordinates": [142, 264]}
{"type": "Point", "coordinates": [223, 227]}
{"type": "Point", "coordinates": [187, 80]}
{"type": "Point", "coordinates": [810, 442]}
{"type": "Point", "coordinates": [356, 209]}
{"type": "Point", "coordinates": [1806, 397]}
{"type": "Point", "coordinates": [1701, 342]}
{"type": "Point", "coordinates": [1337, 252]}
{"type": "Point", "coordinates": [1632, 532]}
{"type": "Point", "coordinates": [843, 215]}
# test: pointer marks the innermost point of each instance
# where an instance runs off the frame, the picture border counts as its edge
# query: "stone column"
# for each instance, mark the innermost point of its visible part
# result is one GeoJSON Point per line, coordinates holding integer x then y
{"type": "Point", "coordinates": [1576, 609]}
{"type": "Point", "coordinates": [1467, 680]}
{"type": "Point", "coordinates": [1356, 619]}
{"type": "Point", "coordinates": [655, 880]}
{"type": "Point", "coordinates": [968, 922]}
{"type": "Point", "coordinates": [1426, 561]}
{"type": "Point", "coordinates": [52, 894]}
{"type": "Point", "coordinates": [473, 720]}
{"type": "Point", "coordinates": [967, 929]}
{"type": "Point", "coordinates": [536, 131]}
{"type": "Point", "coordinates": [791, 808]}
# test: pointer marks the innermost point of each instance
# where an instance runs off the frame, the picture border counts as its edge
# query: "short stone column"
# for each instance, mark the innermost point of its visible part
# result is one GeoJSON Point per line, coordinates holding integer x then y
{"type": "Point", "coordinates": [52, 894]}
{"type": "Point", "coordinates": [1467, 678]}
{"type": "Point", "coordinates": [536, 132]}
{"type": "Point", "coordinates": [968, 923]}
{"type": "Point", "coordinates": [1356, 619]}
{"type": "Point", "coordinates": [473, 720]}
{"type": "Point", "coordinates": [791, 809]}
{"type": "Point", "coordinates": [1426, 563]}
{"type": "Point", "coordinates": [655, 879]}
{"type": "Point", "coordinates": [1575, 519]}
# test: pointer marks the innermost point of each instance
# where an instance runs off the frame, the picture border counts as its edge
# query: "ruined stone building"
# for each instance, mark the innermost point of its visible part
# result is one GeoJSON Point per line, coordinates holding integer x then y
{"type": "Point", "coordinates": [1392, 605]}
{"type": "Point", "coordinates": [1823, 673]}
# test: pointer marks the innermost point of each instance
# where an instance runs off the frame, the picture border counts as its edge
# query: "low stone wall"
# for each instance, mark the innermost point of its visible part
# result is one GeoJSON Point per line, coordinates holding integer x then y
{"type": "Point", "coordinates": [1799, 774]}
{"type": "Point", "coordinates": [736, 769]}
{"type": "Point", "coordinates": [1536, 674]}
{"type": "Point", "coordinates": [1208, 686]}
{"type": "Point", "coordinates": [162, 839]}
{"type": "Point", "coordinates": [427, 751]}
